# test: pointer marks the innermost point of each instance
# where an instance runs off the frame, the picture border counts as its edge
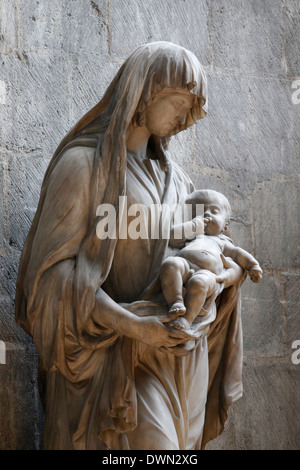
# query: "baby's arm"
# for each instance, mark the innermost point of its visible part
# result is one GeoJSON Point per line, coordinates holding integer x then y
{"type": "Point", "coordinates": [245, 260]}
{"type": "Point", "coordinates": [181, 233]}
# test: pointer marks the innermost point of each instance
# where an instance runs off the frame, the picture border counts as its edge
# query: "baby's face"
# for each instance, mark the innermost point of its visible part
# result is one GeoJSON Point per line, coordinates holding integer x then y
{"type": "Point", "coordinates": [215, 216]}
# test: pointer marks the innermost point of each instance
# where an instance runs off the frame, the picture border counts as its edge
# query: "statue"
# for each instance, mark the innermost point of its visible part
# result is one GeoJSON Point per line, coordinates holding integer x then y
{"type": "Point", "coordinates": [199, 263]}
{"type": "Point", "coordinates": [113, 374]}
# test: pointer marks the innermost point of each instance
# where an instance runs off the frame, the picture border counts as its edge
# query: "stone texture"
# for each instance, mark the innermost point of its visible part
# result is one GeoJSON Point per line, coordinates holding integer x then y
{"type": "Point", "coordinates": [9, 330]}
{"type": "Point", "coordinates": [254, 53]}
{"type": "Point", "coordinates": [65, 26]}
{"type": "Point", "coordinates": [154, 21]}
{"type": "Point", "coordinates": [276, 222]}
{"type": "Point", "coordinates": [10, 38]}
{"type": "Point", "coordinates": [256, 138]}
{"type": "Point", "coordinates": [263, 318]}
{"type": "Point", "coordinates": [290, 37]}
{"type": "Point", "coordinates": [36, 94]}
{"type": "Point", "coordinates": [291, 283]}
{"type": "Point", "coordinates": [57, 59]}
{"type": "Point", "coordinates": [20, 425]}
{"type": "Point", "coordinates": [2, 207]}
{"type": "Point", "coordinates": [84, 93]}
{"type": "Point", "coordinates": [270, 407]}
{"type": "Point", "coordinates": [24, 190]}
{"type": "Point", "coordinates": [268, 416]}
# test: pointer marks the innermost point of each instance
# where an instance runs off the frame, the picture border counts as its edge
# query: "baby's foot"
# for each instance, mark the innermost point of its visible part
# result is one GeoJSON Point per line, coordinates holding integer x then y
{"type": "Point", "coordinates": [180, 323]}
{"type": "Point", "coordinates": [177, 309]}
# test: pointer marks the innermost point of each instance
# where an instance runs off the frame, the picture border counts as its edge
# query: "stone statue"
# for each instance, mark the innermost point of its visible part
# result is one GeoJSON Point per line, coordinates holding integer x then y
{"type": "Point", "coordinates": [199, 263]}
{"type": "Point", "coordinates": [112, 373]}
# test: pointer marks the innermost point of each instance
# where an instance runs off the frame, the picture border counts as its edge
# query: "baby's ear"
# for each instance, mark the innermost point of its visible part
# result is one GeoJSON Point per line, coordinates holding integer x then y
{"type": "Point", "coordinates": [226, 225]}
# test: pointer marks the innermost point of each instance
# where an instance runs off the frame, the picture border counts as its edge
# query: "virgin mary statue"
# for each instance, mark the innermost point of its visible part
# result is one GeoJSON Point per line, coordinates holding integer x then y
{"type": "Point", "coordinates": [112, 373]}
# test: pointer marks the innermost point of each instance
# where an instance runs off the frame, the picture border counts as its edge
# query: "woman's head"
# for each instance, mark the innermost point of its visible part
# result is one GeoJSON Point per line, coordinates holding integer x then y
{"type": "Point", "coordinates": [149, 70]}
{"type": "Point", "coordinates": [166, 66]}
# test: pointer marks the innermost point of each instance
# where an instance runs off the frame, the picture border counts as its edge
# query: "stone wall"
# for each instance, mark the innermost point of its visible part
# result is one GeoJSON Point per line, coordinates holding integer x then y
{"type": "Point", "coordinates": [57, 59]}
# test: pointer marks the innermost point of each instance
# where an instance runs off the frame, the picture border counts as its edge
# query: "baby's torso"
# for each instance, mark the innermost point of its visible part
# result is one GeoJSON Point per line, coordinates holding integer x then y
{"type": "Point", "coordinates": [204, 253]}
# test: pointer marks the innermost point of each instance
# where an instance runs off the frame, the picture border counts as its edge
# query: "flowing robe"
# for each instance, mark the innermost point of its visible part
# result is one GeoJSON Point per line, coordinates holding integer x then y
{"type": "Point", "coordinates": [112, 391]}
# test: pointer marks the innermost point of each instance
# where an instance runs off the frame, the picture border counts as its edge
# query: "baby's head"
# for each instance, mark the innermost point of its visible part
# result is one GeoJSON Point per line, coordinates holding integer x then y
{"type": "Point", "coordinates": [217, 210]}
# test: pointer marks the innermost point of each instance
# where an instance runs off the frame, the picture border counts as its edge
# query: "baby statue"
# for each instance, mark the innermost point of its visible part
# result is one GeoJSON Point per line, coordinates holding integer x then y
{"type": "Point", "coordinates": [199, 264]}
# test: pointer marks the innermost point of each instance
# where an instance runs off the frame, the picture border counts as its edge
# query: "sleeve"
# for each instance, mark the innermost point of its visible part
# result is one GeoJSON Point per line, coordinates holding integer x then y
{"type": "Point", "coordinates": [62, 221]}
{"type": "Point", "coordinates": [45, 306]}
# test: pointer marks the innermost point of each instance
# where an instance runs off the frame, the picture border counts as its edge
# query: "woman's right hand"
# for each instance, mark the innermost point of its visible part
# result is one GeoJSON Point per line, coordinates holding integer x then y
{"type": "Point", "coordinates": [149, 329]}
{"type": "Point", "coordinates": [152, 331]}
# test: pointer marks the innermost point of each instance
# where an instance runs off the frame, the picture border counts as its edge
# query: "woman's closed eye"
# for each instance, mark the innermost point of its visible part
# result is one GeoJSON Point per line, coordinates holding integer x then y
{"type": "Point", "coordinates": [178, 105]}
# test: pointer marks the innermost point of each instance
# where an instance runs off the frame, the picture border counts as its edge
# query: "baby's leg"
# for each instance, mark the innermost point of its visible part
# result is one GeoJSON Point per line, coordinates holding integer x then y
{"type": "Point", "coordinates": [174, 272]}
{"type": "Point", "coordinates": [200, 286]}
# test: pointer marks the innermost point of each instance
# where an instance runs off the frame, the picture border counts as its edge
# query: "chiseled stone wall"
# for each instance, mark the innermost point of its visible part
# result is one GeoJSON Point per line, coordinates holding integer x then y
{"type": "Point", "coordinates": [57, 59]}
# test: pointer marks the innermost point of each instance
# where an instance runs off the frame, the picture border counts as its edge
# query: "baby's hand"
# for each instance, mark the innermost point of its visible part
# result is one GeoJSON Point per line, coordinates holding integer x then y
{"type": "Point", "coordinates": [200, 224]}
{"type": "Point", "coordinates": [255, 273]}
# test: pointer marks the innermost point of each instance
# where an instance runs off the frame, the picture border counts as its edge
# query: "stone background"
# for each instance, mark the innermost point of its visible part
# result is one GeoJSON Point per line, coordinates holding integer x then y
{"type": "Point", "coordinates": [57, 59]}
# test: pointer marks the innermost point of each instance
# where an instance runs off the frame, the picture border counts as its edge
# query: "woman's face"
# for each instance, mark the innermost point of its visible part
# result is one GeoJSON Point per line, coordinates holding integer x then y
{"type": "Point", "coordinates": [167, 110]}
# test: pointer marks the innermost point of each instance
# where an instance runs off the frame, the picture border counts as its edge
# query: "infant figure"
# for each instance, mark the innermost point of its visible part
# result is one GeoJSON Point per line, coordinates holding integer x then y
{"type": "Point", "coordinates": [199, 265]}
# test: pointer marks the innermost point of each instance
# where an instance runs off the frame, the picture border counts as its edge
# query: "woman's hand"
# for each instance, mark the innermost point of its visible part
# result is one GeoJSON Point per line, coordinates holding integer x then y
{"type": "Point", "coordinates": [232, 273]}
{"type": "Point", "coordinates": [148, 329]}
{"type": "Point", "coordinates": [152, 331]}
